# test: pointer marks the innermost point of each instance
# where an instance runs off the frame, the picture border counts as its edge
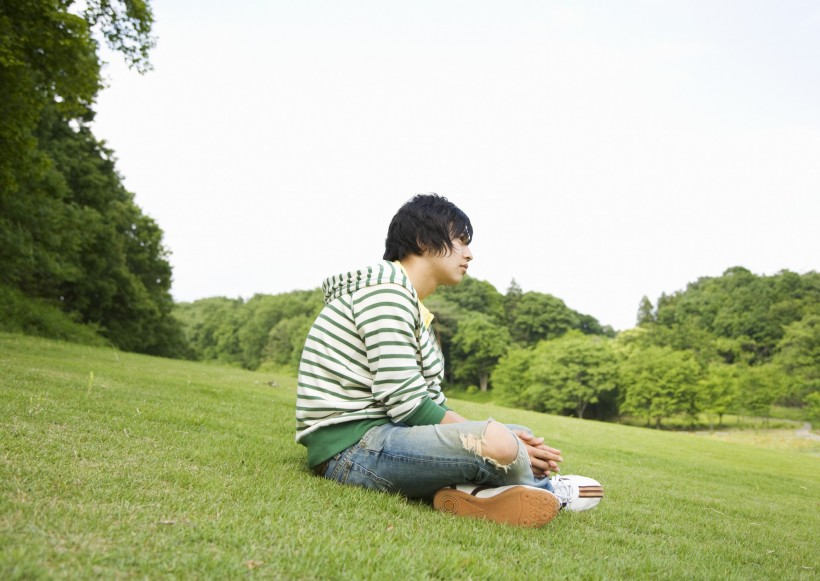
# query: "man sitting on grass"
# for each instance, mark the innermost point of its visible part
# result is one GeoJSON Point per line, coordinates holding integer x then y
{"type": "Point", "coordinates": [370, 409]}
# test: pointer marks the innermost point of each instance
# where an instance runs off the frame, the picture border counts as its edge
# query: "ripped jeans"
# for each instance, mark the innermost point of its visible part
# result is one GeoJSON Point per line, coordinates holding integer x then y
{"type": "Point", "coordinates": [417, 461]}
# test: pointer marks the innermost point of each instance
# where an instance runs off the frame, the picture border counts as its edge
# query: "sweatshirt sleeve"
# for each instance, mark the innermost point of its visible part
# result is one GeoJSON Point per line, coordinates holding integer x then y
{"type": "Point", "coordinates": [386, 317]}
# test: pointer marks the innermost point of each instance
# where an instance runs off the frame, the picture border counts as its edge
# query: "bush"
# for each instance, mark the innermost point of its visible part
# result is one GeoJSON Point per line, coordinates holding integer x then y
{"type": "Point", "coordinates": [21, 314]}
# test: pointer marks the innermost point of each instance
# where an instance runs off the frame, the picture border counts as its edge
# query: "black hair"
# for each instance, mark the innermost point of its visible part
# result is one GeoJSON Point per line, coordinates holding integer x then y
{"type": "Point", "coordinates": [428, 222]}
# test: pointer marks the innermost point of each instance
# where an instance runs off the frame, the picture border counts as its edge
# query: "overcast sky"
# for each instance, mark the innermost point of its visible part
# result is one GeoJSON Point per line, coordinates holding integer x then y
{"type": "Point", "coordinates": [603, 151]}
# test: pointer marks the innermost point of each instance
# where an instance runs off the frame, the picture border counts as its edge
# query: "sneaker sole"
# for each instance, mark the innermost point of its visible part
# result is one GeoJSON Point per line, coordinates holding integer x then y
{"type": "Point", "coordinates": [520, 506]}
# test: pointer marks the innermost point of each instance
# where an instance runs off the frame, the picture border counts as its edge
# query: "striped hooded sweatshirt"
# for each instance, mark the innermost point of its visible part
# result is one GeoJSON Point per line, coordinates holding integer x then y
{"type": "Point", "coordinates": [368, 359]}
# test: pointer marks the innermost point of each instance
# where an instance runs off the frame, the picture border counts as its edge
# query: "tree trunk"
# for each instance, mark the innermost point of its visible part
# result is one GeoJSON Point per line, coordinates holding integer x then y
{"type": "Point", "coordinates": [580, 410]}
{"type": "Point", "coordinates": [483, 381]}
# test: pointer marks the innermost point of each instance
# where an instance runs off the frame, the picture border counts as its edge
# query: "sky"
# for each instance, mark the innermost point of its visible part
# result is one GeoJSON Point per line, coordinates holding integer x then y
{"type": "Point", "coordinates": [603, 151]}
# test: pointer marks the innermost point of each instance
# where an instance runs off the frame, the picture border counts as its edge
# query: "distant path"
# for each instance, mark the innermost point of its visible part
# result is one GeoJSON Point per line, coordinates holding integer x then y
{"type": "Point", "coordinates": [805, 432]}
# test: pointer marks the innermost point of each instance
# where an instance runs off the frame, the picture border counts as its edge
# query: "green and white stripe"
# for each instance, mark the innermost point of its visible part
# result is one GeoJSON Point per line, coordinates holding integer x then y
{"type": "Point", "coordinates": [368, 354]}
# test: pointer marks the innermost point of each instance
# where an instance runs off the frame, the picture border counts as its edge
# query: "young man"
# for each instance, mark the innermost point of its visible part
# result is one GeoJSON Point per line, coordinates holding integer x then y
{"type": "Point", "coordinates": [370, 409]}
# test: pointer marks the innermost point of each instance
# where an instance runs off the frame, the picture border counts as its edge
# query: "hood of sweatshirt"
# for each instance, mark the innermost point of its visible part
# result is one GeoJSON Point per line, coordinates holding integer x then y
{"type": "Point", "coordinates": [384, 272]}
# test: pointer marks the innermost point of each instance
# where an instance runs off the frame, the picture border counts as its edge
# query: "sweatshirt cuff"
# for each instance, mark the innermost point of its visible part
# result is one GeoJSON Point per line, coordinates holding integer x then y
{"type": "Point", "coordinates": [429, 412]}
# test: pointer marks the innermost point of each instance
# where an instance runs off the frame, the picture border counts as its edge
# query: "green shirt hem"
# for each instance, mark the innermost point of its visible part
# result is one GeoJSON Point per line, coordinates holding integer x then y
{"type": "Point", "coordinates": [326, 442]}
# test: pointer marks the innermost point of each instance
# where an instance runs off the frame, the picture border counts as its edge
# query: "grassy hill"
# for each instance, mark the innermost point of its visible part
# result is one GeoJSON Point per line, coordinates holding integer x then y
{"type": "Point", "coordinates": [117, 465]}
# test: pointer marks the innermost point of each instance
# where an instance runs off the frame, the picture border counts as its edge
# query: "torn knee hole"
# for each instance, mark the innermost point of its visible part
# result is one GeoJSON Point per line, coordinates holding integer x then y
{"type": "Point", "coordinates": [493, 449]}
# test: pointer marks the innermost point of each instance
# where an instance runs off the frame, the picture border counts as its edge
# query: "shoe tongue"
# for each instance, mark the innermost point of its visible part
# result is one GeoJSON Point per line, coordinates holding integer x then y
{"type": "Point", "coordinates": [563, 489]}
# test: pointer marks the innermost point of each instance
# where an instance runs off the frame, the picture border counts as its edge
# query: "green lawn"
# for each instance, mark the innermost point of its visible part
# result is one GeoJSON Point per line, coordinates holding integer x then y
{"type": "Point", "coordinates": [115, 465]}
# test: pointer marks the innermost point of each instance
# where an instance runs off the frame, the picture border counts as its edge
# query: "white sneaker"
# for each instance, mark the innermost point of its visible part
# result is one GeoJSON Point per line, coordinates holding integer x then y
{"type": "Point", "coordinates": [577, 493]}
{"type": "Point", "coordinates": [520, 505]}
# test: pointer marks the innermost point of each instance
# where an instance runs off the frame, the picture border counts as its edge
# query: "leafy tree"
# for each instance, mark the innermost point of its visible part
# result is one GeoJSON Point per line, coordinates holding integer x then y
{"type": "Point", "coordinates": [570, 373]}
{"type": "Point", "coordinates": [49, 57]}
{"type": "Point", "coordinates": [122, 274]}
{"type": "Point", "coordinates": [659, 382]}
{"type": "Point", "coordinates": [541, 316]}
{"type": "Point", "coordinates": [511, 300]}
{"type": "Point", "coordinates": [478, 344]}
{"type": "Point", "coordinates": [646, 313]}
{"type": "Point", "coordinates": [760, 386]}
{"type": "Point", "coordinates": [717, 391]}
{"type": "Point", "coordinates": [510, 377]}
{"type": "Point", "coordinates": [475, 296]}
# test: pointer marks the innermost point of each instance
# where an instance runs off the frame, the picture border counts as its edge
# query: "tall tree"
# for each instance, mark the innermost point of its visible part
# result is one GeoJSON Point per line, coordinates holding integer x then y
{"type": "Point", "coordinates": [511, 300]}
{"type": "Point", "coordinates": [646, 313]}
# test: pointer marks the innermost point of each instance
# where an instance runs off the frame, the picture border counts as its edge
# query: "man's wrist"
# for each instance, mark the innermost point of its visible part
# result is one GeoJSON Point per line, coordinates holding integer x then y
{"type": "Point", "coordinates": [451, 417]}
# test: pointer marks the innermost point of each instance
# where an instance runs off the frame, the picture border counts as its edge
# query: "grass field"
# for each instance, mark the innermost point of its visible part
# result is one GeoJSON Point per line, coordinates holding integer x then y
{"type": "Point", "coordinates": [120, 466]}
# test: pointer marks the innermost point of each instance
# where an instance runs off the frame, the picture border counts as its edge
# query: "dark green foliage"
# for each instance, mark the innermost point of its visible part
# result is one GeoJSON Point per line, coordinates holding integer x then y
{"type": "Point", "coordinates": [76, 238]}
{"type": "Point", "coordinates": [21, 314]}
{"type": "Point", "coordinates": [478, 345]}
{"type": "Point", "coordinates": [285, 342]}
{"type": "Point", "coordinates": [541, 316]}
{"type": "Point", "coordinates": [48, 57]}
{"type": "Point", "coordinates": [511, 300]}
{"type": "Point", "coordinates": [72, 235]}
{"type": "Point", "coordinates": [534, 317]}
{"type": "Point", "coordinates": [751, 309]}
{"type": "Point", "coordinates": [738, 344]}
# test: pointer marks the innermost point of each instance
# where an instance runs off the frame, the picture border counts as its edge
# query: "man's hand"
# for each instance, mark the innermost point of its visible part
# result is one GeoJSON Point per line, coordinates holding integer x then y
{"type": "Point", "coordinates": [543, 459]}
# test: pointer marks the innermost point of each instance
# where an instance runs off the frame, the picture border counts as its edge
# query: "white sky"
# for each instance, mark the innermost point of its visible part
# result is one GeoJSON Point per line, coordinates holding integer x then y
{"type": "Point", "coordinates": [603, 151]}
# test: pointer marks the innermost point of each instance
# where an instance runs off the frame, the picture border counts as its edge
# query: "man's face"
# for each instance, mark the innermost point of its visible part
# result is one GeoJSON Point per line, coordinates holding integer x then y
{"type": "Point", "coordinates": [451, 268]}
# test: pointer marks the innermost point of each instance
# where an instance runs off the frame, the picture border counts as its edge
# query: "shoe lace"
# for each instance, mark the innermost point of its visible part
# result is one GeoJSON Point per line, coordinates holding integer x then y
{"type": "Point", "coordinates": [562, 488]}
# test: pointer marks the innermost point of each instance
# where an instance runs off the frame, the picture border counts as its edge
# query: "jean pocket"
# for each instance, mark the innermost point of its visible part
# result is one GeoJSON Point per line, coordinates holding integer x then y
{"type": "Point", "coordinates": [373, 439]}
{"type": "Point", "coordinates": [357, 474]}
{"type": "Point", "coordinates": [357, 466]}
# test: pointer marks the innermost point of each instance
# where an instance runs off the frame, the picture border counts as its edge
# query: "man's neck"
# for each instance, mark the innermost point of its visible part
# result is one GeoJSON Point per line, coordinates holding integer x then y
{"type": "Point", "coordinates": [420, 275]}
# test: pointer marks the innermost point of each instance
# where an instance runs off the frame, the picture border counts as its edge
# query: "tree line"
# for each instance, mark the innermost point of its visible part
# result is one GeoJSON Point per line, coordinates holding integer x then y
{"type": "Point", "coordinates": [737, 343]}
